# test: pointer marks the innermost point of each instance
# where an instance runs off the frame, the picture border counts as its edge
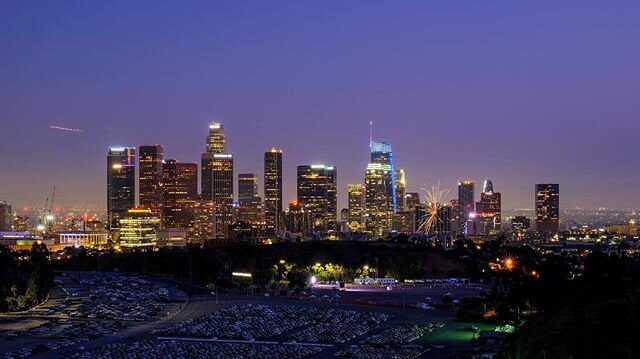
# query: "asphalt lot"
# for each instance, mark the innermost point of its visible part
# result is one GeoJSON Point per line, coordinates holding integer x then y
{"type": "Point", "coordinates": [53, 322]}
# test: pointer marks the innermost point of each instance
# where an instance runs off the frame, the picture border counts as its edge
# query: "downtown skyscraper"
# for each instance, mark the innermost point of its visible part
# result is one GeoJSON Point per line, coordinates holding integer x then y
{"type": "Point", "coordinates": [180, 191]}
{"type": "Point", "coordinates": [356, 207]}
{"type": "Point", "coordinates": [217, 180]}
{"type": "Point", "coordinates": [150, 176]}
{"type": "Point", "coordinates": [547, 207]}
{"type": "Point", "coordinates": [317, 195]}
{"type": "Point", "coordinates": [466, 204]}
{"type": "Point", "coordinates": [273, 190]}
{"type": "Point", "coordinates": [250, 203]}
{"type": "Point", "coordinates": [380, 190]}
{"type": "Point", "coordinates": [121, 182]}
{"type": "Point", "coordinates": [488, 210]}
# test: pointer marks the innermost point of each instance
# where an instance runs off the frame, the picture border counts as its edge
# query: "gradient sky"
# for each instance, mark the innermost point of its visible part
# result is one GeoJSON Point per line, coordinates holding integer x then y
{"type": "Point", "coordinates": [521, 93]}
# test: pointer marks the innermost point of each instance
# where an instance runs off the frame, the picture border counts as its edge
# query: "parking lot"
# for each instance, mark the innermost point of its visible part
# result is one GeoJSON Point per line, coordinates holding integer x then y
{"type": "Point", "coordinates": [83, 307]}
{"type": "Point", "coordinates": [110, 315]}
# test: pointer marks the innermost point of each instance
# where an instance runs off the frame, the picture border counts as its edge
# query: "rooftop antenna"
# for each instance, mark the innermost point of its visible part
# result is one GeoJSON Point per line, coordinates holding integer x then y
{"type": "Point", "coordinates": [370, 133]}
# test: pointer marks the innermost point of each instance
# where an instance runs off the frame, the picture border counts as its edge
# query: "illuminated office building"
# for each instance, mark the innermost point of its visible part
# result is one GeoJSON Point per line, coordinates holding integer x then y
{"type": "Point", "coordinates": [355, 212]}
{"type": "Point", "coordinates": [121, 182]}
{"type": "Point", "coordinates": [466, 203]}
{"type": "Point", "coordinates": [138, 228]}
{"type": "Point", "coordinates": [411, 200]}
{"type": "Point", "coordinates": [217, 180]}
{"type": "Point", "coordinates": [547, 207]}
{"type": "Point", "coordinates": [317, 194]}
{"type": "Point", "coordinates": [250, 203]}
{"type": "Point", "coordinates": [379, 205]}
{"type": "Point", "coordinates": [381, 154]}
{"type": "Point", "coordinates": [216, 141]}
{"type": "Point", "coordinates": [203, 217]}
{"type": "Point", "coordinates": [6, 217]}
{"type": "Point", "coordinates": [180, 191]}
{"type": "Point", "coordinates": [488, 210]}
{"type": "Point", "coordinates": [21, 223]}
{"type": "Point", "coordinates": [401, 188]}
{"type": "Point", "coordinates": [150, 176]}
{"type": "Point", "coordinates": [217, 186]}
{"type": "Point", "coordinates": [273, 190]}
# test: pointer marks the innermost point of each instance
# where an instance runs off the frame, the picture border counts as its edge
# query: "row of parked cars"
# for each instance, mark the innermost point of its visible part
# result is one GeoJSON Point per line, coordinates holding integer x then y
{"type": "Point", "coordinates": [172, 349]}
{"type": "Point", "coordinates": [251, 322]}
{"type": "Point", "coordinates": [402, 334]}
{"type": "Point", "coordinates": [382, 352]}
{"type": "Point", "coordinates": [124, 298]}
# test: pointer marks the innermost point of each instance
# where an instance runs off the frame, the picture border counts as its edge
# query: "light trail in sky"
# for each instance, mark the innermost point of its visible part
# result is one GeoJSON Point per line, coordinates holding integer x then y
{"type": "Point", "coordinates": [67, 129]}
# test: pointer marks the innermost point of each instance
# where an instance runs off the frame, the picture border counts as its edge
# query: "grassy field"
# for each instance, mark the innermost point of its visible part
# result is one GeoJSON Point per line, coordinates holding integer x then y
{"type": "Point", "coordinates": [454, 333]}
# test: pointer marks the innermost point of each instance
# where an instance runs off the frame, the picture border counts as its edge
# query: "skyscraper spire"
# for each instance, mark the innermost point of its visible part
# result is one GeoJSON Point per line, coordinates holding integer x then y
{"type": "Point", "coordinates": [370, 133]}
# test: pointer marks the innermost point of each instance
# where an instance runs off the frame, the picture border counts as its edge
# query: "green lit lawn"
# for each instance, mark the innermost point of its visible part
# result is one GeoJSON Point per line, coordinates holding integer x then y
{"type": "Point", "coordinates": [453, 333]}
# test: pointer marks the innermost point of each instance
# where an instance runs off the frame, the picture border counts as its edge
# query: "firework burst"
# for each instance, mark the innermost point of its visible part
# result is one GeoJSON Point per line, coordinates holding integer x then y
{"type": "Point", "coordinates": [435, 199]}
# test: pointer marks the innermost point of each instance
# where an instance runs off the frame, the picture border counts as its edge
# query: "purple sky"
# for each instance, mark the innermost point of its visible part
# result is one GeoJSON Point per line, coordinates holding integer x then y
{"type": "Point", "coordinates": [520, 93]}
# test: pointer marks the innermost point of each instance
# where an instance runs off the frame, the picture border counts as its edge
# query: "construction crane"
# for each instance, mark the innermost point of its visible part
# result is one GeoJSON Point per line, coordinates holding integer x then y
{"type": "Point", "coordinates": [46, 222]}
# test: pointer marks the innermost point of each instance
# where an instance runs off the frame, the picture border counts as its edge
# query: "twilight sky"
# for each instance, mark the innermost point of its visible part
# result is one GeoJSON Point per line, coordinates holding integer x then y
{"type": "Point", "coordinates": [520, 93]}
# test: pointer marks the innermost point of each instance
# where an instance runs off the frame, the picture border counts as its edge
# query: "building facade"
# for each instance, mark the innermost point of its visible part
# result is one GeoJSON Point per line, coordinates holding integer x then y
{"type": "Point", "coordinates": [273, 190]}
{"type": "Point", "coordinates": [216, 140]}
{"type": "Point", "coordinates": [355, 220]}
{"type": "Point", "coordinates": [547, 207]}
{"type": "Point", "coordinates": [317, 194]}
{"type": "Point", "coordinates": [121, 182]}
{"type": "Point", "coordinates": [150, 176]}
{"type": "Point", "coordinates": [401, 189]}
{"type": "Point", "coordinates": [139, 228]}
{"type": "Point", "coordinates": [217, 186]}
{"type": "Point", "coordinates": [488, 210]}
{"type": "Point", "coordinates": [180, 191]}
{"type": "Point", "coordinates": [466, 202]}
{"type": "Point", "coordinates": [6, 217]}
{"type": "Point", "coordinates": [250, 203]}
{"type": "Point", "coordinates": [379, 204]}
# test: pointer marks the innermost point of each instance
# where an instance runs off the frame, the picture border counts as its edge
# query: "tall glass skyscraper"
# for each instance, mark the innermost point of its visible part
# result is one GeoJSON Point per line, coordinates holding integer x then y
{"type": "Point", "coordinates": [273, 190]}
{"type": "Point", "coordinates": [489, 209]}
{"type": "Point", "coordinates": [382, 154]}
{"type": "Point", "coordinates": [317, 194]}
{"type": "Point", "coordinates": [150, 177]}
{"type": "Point", "coordinates": [250, 203]}
{"type": "Point", "coordinates": [548, 207]}
{"type": "Point", "coordinates": [121, 182]}
{"type": "Point", "coordinates": [467, 205]}
{"type": "Point", "coordinates": [216, 140]}
{"type": "Point", "coordinates": [180, 191]}
{"type": "Point", "coordinates": [356, 207]}
{"type": "Point", "coordinates": [217, 180]}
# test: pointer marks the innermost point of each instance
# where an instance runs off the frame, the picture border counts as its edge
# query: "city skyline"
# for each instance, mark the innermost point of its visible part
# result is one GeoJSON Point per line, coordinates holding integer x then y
{"type": "Point", "coordinates": [475, 119]}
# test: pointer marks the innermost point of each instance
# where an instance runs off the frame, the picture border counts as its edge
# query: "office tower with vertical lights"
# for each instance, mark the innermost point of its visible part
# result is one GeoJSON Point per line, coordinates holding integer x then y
{"type": "Point", "coordinates": [217, 180]}
{"type": "Point", "coordinates": [317, 195]}
{"type": "Point", "coordinates": [356, 207]}
{"type": "Point", "coordinates": [379, 204]}
{"type": "Point", "coordinates": [401, 189]}
{"type": "Point", "coordinates": [547, 207]}
{"type": "Point", "coordinates": [180, 191]}
{"type": "Point", "coordinates": [467, 205]}
{"type": "Point", "coordinates": [216, 140]}
{"type": "Point", "coordinates": [488, 210]}
{"type": "Point", "coordinates": [217, 186]}
{"type": "Point", "coordinates": [250, 204]}
{"type": "Point", "coordinates": [150, 176]}
{"type": "Point", "coordinates": [273, 190]}
{"type": "Point", "coordinates": [121, 182]}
